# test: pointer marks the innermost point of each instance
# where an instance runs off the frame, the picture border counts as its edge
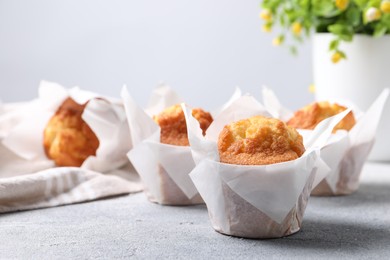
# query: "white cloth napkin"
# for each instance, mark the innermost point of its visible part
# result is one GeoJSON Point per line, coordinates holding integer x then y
{"type": "Point", "coordinates": [61, 186]}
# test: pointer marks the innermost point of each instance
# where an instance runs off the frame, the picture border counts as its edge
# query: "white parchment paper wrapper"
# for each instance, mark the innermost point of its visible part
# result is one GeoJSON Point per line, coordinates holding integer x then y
{"type": "Point", "coordinates": [105, 116]}
{"type": "Point", "coordinates": [254, 201]}
{"type": "Point", "coordinates": [163, 168]}
{"type": "Point", "coordinates": [344, 152]}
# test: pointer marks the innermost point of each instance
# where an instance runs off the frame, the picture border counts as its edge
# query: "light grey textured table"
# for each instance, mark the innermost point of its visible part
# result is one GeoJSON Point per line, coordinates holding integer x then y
{"type": "Point", "coordinates": [355, 226]}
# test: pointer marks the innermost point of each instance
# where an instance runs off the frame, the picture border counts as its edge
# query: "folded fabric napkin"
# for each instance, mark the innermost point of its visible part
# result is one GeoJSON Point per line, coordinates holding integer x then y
{"type": "Point", "coordinates": [61, 186]}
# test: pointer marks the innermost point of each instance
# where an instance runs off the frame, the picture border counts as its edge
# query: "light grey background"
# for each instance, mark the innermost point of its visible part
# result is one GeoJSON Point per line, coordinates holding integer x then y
{"type": "Point", "coordinates": [201, 48]}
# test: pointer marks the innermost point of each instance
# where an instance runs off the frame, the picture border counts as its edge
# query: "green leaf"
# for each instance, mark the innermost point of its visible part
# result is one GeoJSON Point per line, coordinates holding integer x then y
{"type": "Point", "coordinates": [282, 20]}
{"type": "Point", "coordinates": [386, 21]}
{"type": "Point", "coordinates": [324, 8]}
{"type": "Point", "coordinates": [344, 32]}
{"type": "Point", "coordinates": [334, 44]}
{"type": "Point", "coordinates": [353, 16]}
{"type": "Point", "coordinates": [380, 30]}
{"type": "Point", "coordinates": [293, 50]}
{"type": "Point", "coordinates": [342, 54]}
{"type": "Point", "coordinates": [374, 3]}
{"type": "Point", "coordinates": [361, 3]}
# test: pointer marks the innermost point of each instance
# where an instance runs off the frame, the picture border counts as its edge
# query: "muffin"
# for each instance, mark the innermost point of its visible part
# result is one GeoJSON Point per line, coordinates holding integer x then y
{"type": "Point", "coordinates": [173, 124]}
{"type": "Point", "coordinates": [170, 183]}
{"type": "Point", "coordinates": [67, 139]}
{"type": "Point", "coordinates": [310, 116]}
{"type": "Point", "coordinates": [258, 141]}
{"type": "Point", "coordinates": [245, 147]}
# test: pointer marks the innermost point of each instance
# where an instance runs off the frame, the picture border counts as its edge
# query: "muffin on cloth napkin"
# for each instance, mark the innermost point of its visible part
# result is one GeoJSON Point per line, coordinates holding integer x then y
{"type": "Point", "coordinates": [29, 178]}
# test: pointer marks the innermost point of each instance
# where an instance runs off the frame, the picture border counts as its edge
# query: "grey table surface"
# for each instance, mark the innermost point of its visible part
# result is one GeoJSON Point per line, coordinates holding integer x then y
{"type": "Point", "coordinates": [355, 226]}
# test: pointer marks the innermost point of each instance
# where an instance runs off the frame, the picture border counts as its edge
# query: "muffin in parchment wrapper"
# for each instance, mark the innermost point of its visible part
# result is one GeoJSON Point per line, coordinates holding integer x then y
{"type": "Point", "coordinates": [259, 201]}
{"type": "Point", "coordinates": [164, 172]}
{"type": "Point", "coordinates": [163, 168]}
{"type": "Point", "coordinates": [345, 152]}
{"type": "Point", "coordinates": [105, 116]}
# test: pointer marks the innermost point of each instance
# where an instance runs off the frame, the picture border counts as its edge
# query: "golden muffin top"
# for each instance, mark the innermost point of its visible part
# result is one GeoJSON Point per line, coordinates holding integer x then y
{"type": "Point", "coordinates": [310, 116]}
{"type": "Point", "coordinates": [258, 141]}
{"type": "Point", "coordinates": [67, 139]}
{"type": "Point", "coordinates": [173, 124]}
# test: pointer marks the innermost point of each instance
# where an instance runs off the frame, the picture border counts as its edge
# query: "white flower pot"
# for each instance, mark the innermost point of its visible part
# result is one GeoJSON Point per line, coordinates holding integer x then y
{"type": "Point", "coordinates": [360, 78]}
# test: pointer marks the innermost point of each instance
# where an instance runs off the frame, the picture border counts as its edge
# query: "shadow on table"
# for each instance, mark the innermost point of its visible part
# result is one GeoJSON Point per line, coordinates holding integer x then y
{"type": "Point", "coordinates": [330, 235]}
{"type": "Point", "coordinates": [337, 234]}
{"type": "Point", "coordinates": [373, 193]}
{"type": "Point", "coordinates": [368, 194]}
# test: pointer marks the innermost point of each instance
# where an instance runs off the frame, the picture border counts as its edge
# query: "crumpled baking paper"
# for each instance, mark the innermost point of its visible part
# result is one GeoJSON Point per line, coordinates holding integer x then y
{"type": "Point", "coordinates": [163, 168]}
{"type": "Point", "coordinates": [254, 201]}
{"type": "Point", "coordinates": [105, 116]}
{"type": "Point", "coordinates": [344, 152]}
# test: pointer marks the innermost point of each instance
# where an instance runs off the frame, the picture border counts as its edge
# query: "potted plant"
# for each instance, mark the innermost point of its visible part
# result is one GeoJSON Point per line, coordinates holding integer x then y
{"type": "Point", "coordinates": [351, 49]}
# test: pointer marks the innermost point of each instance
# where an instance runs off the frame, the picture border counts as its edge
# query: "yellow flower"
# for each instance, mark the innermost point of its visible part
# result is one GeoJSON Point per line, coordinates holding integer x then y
{"type": "Point", "coordinates": [336, 57]}
{"type": "Point", "coordinates": [342, 4]}
{"type": "Point", "coordinates": [385, 6]}
{"type": "Point", "coordinates": [266, 28]}
{"type": "Point", "coordinates": [373, 14]}
{"type": "Point", "coordinates": [277, 41]}
{"type": "Point", "coordinates": [266, 15]}
{"type": "Point", "coordinates": [312, 88]}
{"type": "Point", "coordinates": [296, 28]}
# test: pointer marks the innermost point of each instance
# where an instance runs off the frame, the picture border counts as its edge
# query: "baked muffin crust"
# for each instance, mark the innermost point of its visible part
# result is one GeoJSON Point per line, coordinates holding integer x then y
{"type": "Point", "coordinates": [258, 141]}
{"type": "Point", "coordinates": [173, 124]}
{"type": "Point", "coordinates": [67, 139]}
{"type": "Point", "coordinates": [310, 116]}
